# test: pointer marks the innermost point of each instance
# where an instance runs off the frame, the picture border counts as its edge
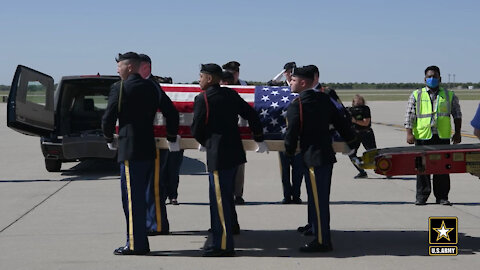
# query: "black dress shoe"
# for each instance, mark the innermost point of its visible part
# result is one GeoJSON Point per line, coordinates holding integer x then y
{"type": "Point", "coordinates": [302, 229]}
{"type": "Point", "coordinates": [153, 233]}
{"type": "Point", "coordinates": [127, 251]}
{"type": "Point", "coordinates": [444, 202]}
{"type": "Point", "coordinates": [314, 246]}
{"type": "Point", "coordinates": [286, 201]}
{"type": "Point", "coordinates": [239, 201]}
{"type": "Point", "coordinates": [297, 201]}
{"type": "Point", "coordinates": [218, 253]}
{"type": "Point", "coordinates": [236, 229]}
{"type": "Point", "coordinates": [308, 232]}
{"type": "Point", "coordinates": [420, 202]}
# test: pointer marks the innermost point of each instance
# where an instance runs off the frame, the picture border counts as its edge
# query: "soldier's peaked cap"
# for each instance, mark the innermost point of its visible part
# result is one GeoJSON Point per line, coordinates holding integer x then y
{"type": "Point", "coordinates": [304, 72]}
{"type": "Point", "coordinates": [145, 58]}
{"type": "Point", "coordinates": [232, 65]}
{"type": "Point", "coordinates": [289, 65]}
{"type": "Point", "coordinates": [126, 56]}
{"type": "Point", "coordinates": [212, 69]}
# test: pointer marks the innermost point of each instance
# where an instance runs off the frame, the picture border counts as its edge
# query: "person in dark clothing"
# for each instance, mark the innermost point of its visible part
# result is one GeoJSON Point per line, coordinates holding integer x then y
{"type": "Point", "coordinates": [156, 191]}
{"type": "Point", "coordinates": [215, 127]}
{"type": "Point", "coordinates": [291, 169]}
{"type": "Point", "coordinates": [134, 101]}
{"type": "Point", "coordinates": [362, 124]}
{"type": "Point", "coordinates": [234, 68]}
{"type": "Point", "coordinates": [308, 119]}
{"type": "Point", "coordinates": [229, 79]}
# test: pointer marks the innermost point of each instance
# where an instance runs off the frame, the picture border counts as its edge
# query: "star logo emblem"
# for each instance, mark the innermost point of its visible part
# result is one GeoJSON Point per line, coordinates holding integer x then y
{"type": "Point", "coordinates": [443, 231]}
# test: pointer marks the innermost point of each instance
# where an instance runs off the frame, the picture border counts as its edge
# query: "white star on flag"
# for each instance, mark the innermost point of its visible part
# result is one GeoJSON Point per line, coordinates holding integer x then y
{"type": "Point", "coordinates": [274, 93]}
{"type": "Point", "coordinates": [284, 113]}
{"type": "Point", "coordinates": [264, 112]}
{"type": "Point", "coordinates": [265, 98]}
{"type": "Point", "coordinates": [284, 130]}
{"type": "Point", "coordinates": [294, 94]}
{"type": "Point", "coordinates": [265, 130]}
{"type": "Point", "coordinates": [274, 105]}
{"type": "Point", "coordinates": [285, 99]}
{"type": "Point", "coordinates": [285, 89]}
{"type": "Point", "coordinates": [274, 122]}
{"type": "Point", "coordinates": [265, 88]}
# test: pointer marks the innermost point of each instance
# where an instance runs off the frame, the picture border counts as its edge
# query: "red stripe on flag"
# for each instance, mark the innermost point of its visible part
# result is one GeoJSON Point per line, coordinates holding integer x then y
{"type": "Point", "coordinates": [249, 90]}
{"type": "Point", "coordinates": [184, 132]}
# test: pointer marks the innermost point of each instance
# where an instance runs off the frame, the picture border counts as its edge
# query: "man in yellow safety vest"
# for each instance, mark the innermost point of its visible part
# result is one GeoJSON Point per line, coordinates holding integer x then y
{"type": "Point", "coordinates": [428, 123]}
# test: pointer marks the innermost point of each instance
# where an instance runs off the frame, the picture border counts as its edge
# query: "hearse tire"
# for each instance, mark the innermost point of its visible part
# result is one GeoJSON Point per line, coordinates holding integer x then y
{"type": "Point", "coordinates": [53, 165]}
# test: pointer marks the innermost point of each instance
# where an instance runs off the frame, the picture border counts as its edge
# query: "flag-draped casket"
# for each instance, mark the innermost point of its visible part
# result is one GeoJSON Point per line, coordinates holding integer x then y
{"type": "Point", "coordinates": [270, 102]}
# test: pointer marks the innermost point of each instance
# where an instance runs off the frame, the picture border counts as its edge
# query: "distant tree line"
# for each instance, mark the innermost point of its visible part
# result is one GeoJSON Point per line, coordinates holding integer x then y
{"type": "Point", "coordinates": [365, 85]}
{"type": "Point", "coordinates": [351, 85]}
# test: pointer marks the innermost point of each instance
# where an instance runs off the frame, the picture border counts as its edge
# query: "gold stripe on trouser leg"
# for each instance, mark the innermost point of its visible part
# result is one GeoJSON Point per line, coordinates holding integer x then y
{"type": "Point", "coordinates": [156, 185]}
{"type": "Point", "coordinates": [218, 194]}
{"type": "Point", "coordinates": [130, 210]}
{"type": "Point", "coordinates": [315, 200]}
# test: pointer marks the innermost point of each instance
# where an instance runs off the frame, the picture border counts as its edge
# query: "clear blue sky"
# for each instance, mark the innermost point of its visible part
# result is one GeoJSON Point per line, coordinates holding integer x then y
{"type": "Point", "coordinates": [350, 41]}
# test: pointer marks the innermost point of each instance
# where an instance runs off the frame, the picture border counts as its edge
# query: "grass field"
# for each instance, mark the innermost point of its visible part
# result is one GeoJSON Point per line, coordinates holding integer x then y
{"type": "Point", "coordinates": [398, 94]}
{"type": "Point", "coordinates": [380, 94]}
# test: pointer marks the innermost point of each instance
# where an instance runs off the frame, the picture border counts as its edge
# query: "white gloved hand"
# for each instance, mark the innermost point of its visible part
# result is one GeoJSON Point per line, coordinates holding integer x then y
{"type": "Point", "coordinates": [201, 148]}
{"type": "Point", "coordinates": [261, 147]}
{"type": "Point", "coordinates": [349, 153]}
{"type": "Point", "coordinates": [174, 146]}
{"type": "Point", "coordinates": [112, 146]}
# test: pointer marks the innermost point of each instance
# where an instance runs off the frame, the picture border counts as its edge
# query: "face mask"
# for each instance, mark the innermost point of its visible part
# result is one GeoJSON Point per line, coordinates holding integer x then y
{"type": "Point", "coordinates": [432, 82]}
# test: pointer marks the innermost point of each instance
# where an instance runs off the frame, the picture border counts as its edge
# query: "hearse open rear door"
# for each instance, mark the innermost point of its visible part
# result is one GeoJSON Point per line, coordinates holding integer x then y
{"type": "Point", "coordinates": [30, 108]}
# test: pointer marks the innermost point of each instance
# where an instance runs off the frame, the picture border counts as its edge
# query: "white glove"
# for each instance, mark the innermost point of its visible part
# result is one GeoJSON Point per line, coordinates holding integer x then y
{"type": "Point", "coordinates": [174, 146]}
{"type": "Point", "coordinates": [112, 146]}
{"type": "Point", "coordinates": [351, 152]}
{"type": "Point", "coordinates": [201, 148]}
{"type": "Point", "coordinates": [261, 147]}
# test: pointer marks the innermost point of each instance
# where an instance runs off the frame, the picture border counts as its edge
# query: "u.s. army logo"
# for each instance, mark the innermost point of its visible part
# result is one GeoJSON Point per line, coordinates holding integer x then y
{"type": "Point", "coordinates": [443, 235]}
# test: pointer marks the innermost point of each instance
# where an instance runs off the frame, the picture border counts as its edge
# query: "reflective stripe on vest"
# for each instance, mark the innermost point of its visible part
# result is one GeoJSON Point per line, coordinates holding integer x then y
{"type": "Point", "coordinates": [439, 117]}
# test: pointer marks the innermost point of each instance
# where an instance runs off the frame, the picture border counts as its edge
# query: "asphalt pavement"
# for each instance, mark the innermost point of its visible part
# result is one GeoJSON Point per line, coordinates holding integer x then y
{"type": "Point", "coordinates": [74, 219]}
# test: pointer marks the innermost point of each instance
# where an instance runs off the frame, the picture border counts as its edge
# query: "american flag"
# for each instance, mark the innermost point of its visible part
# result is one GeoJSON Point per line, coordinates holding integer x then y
{"type": "Point", "coordinates": [269, 101]}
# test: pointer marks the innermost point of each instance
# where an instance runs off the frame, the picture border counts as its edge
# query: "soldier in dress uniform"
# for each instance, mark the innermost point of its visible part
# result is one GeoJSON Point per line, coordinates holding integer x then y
{"type": "Point", "coordinates": [234, 68]}
{"type": "Point", "coordinates": [134, 101]}
{"type": "Point", "coordinates": [317, 86]}
{"type": "Point", "coordinates": [215, 127]}
{"type": "Point", "coordinates": [157, 220]}
{"type": "Point", "coordinates": [291, 178]}
{"type": "Point", "coordinates": [229, 79]}
{"type": "Point", "coordinates": [308, 119]}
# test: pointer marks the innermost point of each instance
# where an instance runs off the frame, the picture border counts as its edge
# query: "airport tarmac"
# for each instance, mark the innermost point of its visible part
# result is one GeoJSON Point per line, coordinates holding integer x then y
{"type": "Point", "coordinates": [74, 219]}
